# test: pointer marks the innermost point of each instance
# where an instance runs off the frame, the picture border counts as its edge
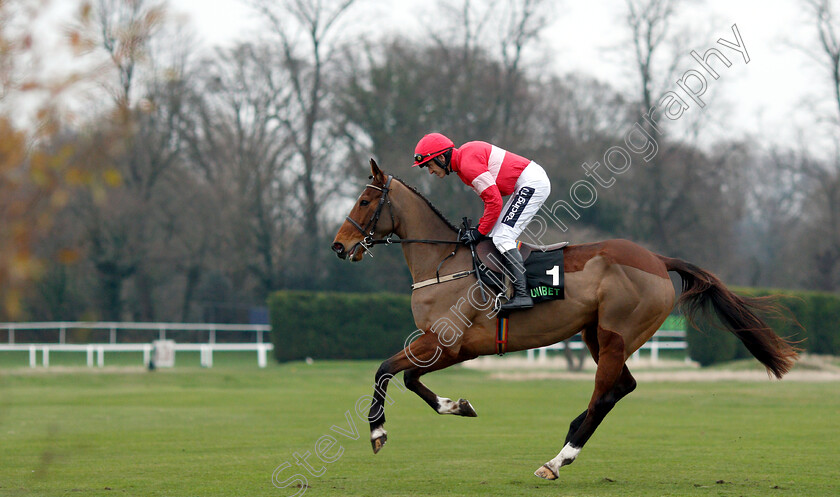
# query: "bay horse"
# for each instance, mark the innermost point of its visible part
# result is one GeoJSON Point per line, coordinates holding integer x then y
{"type": "Point", "coordinates": [617, 295]}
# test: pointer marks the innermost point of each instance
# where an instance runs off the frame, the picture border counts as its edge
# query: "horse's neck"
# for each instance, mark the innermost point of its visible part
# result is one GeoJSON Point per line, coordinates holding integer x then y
{"type": "Point", "coordinates": [416, 220]}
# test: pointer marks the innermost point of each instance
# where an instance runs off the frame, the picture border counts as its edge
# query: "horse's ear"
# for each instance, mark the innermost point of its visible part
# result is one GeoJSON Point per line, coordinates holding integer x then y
{"type": "Point", "coordinates": [377, 173]}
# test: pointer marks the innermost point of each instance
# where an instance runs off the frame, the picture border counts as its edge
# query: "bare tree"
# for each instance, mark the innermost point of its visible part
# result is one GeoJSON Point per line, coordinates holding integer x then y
{"type": "Point", "coordinates": [823, 15]}
{"type": "Point", "coordinates": [239, 144]}
{"type": "Point", "coordinates": [502, 30]}
{"type": "Point", "coordinates": [650, 23]}
{"type": "Point", "coordinates": [307, 32]}
{"type": "Point", "coordinates": [525, 20]}
{"type": "Point", "coordinates": [125, 229]}
{"type": "Point", "coordinates": [125, 27]}
{"type": "Point", "coordinates": [822, 206]}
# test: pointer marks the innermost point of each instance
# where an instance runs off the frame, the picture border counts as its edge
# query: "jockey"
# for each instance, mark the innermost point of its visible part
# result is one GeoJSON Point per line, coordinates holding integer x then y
{"type": "Point", "coordinates": [492, 173]}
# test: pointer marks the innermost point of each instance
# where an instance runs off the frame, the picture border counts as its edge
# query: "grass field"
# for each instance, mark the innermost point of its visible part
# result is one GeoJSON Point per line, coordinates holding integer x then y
{"type": "Point", "coordinates": [223, 431]}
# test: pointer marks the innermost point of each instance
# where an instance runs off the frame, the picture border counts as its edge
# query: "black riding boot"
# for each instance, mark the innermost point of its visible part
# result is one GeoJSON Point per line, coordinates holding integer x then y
{"type": "Point", "coordinates": [521, 299]}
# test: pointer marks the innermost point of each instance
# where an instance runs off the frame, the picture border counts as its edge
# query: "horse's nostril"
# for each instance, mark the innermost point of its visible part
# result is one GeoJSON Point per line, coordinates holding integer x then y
{"type": "Point", "coordinates": [338, 248]}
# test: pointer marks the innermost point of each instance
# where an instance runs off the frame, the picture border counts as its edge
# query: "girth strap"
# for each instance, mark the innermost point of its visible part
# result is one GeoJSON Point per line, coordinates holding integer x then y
{"type": "Point", "coordinates": [501, 335]}
{"type": "Point", "coordinates": [442, 279]}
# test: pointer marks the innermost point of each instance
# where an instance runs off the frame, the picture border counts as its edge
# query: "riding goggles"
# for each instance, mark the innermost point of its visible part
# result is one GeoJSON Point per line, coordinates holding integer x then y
{"type": "Point", "coordinates": [422, 159]}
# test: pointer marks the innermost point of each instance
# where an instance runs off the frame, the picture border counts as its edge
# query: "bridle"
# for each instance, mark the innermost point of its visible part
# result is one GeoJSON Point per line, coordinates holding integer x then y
{"type": "Point", "coordinates": [370, 228]}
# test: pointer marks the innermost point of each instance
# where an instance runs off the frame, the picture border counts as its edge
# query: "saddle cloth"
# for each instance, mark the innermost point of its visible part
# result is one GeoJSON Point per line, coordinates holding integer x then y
{"type": "Point", "coordinates": [543, 269]}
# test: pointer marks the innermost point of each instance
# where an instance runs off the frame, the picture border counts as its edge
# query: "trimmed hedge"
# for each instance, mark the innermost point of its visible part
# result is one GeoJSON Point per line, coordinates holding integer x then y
{"type": "Point", "coordinates": [817, 313]}
{"type": "Point", "coordinates": [330, 325]}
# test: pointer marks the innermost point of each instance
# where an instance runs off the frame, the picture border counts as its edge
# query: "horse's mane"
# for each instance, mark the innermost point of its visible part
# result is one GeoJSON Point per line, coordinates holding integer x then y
{"type": "Point", "coordinates": [429, 203]}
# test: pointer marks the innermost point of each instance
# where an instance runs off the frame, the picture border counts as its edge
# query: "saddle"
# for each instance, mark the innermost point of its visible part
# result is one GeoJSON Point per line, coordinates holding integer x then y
{"type": "Point", "coordinates": [543, 269]}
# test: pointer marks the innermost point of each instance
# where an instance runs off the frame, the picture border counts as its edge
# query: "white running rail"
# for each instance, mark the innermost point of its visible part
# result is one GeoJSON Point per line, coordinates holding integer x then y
{"type": "Point", "coordinates": [655, 344]}
{"type": "Point", "coordinates": [160, 329]}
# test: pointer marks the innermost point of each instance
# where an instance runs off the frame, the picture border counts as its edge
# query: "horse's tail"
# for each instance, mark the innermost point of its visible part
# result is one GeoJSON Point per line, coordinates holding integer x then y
{"type": "Point", "coordinates": [701, 289]}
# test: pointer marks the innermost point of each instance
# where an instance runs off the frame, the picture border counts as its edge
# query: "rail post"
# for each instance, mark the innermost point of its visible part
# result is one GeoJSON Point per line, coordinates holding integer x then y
{"type": "Point", "coordinates": [261, 356]}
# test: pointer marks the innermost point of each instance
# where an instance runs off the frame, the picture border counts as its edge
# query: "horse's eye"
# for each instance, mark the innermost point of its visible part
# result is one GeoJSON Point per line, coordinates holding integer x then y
{"type": "Point", "coordinates": [364, 203]}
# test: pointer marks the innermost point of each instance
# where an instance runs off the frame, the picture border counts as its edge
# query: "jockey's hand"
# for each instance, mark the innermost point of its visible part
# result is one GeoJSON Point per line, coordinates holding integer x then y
{"type": "Point", "coordinates": [472, 236]}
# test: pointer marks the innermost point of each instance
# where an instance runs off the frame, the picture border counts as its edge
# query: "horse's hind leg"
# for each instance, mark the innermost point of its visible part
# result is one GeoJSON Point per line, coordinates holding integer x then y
{"type": "Point", "coordinates": [589, 335]}
{"type": "Point", "coordinates": [424, 351]}
{"type": "Point", "coordinates": [612, 382]}
{"type": "Point", "coordinates": [441, 405]}
{"type": "Point", "coordinates": [590, 338]}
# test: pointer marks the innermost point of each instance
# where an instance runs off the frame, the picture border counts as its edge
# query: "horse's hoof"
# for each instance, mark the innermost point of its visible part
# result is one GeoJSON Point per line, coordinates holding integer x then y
{"type": "Point", "coordinates": [465, 409]}
{"type": "Point", "coordinates": [546, 473]}
{"type": "Point", "coordinates": [378, 443]}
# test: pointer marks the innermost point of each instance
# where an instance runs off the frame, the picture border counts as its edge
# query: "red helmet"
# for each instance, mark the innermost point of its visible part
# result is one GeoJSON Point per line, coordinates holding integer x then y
{"type": "Point", "coordinates": [431, 146]}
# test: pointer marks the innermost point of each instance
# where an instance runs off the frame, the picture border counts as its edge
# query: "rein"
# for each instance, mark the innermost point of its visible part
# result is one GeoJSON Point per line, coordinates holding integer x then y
{"type": "Point", "coordinates": [389, 240]}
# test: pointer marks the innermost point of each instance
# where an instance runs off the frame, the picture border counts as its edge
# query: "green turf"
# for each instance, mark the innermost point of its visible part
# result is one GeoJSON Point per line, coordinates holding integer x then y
{"type": "Point", "coordinates": [223, 431]}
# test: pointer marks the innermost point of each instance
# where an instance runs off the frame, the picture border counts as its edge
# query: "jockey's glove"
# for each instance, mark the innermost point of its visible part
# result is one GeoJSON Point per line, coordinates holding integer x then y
{"type": "Point", "coordinates": [472, 236]}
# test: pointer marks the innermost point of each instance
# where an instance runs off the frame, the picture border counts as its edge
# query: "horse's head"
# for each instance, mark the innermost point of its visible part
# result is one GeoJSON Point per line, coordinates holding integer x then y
{"type": "Point", "coordinates": [367, 220]}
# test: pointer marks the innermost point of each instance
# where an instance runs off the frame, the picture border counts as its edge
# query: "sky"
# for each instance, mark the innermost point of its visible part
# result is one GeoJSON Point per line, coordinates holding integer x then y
{"type": "Point", "coordinates": [771, 99]}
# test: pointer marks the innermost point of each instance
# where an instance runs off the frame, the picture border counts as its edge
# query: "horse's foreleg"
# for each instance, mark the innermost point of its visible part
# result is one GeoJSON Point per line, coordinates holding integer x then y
{"type": "Point", "coordinates": [612, 382]}
{"type": "Point", "coordinates": [425, 350]}
{"type": "Point", "coordinates": [441, 405]}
